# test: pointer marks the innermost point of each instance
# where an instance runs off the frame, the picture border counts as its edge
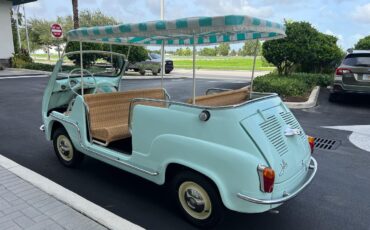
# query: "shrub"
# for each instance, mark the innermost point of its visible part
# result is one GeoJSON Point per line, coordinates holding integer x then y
{"type": "Point", "coordinates": [39, 66]}
{"type": "Point", "coordinates": [21, 58]}
{"type": "Point", "coordinates": [35, 66]}
{"type": "Point", "coordinates": [295, 85]}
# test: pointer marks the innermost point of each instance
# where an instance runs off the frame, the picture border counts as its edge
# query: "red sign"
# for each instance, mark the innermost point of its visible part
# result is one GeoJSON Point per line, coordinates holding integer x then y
{"type": "Point", "coordinates": [56, 30]}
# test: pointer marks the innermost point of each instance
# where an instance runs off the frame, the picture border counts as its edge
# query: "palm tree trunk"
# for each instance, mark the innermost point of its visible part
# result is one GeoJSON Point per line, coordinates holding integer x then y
{"type": "Point", "coordinates": [76, 22]}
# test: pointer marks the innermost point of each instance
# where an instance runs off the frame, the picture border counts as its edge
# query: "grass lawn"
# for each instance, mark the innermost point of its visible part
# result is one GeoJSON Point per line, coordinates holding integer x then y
{"type": "Point", "coordinates": [221, 63]}
{"type": "Point", "coordinates": [212, 63]}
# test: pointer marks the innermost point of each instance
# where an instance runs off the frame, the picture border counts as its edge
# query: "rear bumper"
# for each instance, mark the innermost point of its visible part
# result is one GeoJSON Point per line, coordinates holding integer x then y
{"type": "Point", "coordinates": [286, 196]}
{"type": "Point", "coordinates": [339, 88]}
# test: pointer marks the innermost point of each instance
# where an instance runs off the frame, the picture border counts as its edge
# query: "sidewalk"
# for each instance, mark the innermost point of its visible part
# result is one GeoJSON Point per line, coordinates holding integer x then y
{"type": "Point", "coordinates": [23, 205]}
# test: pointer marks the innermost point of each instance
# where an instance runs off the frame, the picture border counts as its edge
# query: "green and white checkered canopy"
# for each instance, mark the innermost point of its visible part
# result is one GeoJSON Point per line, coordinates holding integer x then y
{"type": "Point", "coordinates": [202, 30]}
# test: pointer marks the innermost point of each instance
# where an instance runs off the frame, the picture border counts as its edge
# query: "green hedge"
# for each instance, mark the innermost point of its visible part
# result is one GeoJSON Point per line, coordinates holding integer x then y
{"type": "Point", "coordinates": [295, 85]}
{"type": "Point", "coordinates": [37, 66]}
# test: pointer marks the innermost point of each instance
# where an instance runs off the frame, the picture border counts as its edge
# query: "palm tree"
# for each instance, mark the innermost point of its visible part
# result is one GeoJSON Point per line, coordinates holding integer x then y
{"type": "Point", "coordinates": [76, 22]}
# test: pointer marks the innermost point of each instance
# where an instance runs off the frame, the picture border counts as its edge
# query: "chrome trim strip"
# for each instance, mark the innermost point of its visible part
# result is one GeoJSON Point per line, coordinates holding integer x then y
{"type": "Point", "coordinates": [101, 155]}
{"type": "Point", "coordinates": [169, 103]}
{"type": "Point", "coordinates": [100, 143]}
{"type": "Point", "coordinates": [216, 89]}
{"type": "Point", "coordinates": [286, 196]}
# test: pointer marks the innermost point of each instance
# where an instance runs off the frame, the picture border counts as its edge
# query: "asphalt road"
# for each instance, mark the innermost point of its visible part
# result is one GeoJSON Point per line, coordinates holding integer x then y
{"type": "Point", "coordinates": [338, 198]}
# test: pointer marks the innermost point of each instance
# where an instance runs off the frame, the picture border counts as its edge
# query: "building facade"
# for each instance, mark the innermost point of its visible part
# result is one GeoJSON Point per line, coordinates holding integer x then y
{"type": "Point", "coordinates": [6, 36]}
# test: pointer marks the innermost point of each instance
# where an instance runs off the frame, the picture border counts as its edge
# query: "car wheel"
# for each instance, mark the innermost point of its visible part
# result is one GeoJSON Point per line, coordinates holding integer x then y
{"type": "Point", "coordinates": [64, 149]}
{"type": "Point", "coordinates": [167, 72]}
{"type": "Point", "coordinates": [198, 199]}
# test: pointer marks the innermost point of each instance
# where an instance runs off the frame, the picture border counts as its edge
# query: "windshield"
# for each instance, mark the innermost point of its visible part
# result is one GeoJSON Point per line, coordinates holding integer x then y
{"type": "Point", "coordinates": [104, 65]}
{"type": "Point", "coordinates": [357, 60]}
{"type": "Point", "coordinates": [155, 56]}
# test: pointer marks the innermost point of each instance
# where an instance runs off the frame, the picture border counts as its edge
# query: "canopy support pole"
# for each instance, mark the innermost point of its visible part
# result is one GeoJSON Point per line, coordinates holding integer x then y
{"type": "Point", "coordinates": [162, 46]}
{"type": "Point", "coordinates": [254, 66]}
{"type": "Point", "coordinates": [162, 63]}
{"type": "Point", "coordinates": [82, 70]}
{"type": "Point", "coordinates": [111, 55]}
{"type": "Point", "coordinates": [194, 53]}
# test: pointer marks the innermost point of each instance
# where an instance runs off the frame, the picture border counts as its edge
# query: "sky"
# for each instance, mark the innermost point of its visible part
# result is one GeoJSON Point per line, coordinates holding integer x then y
{"type": "Point", "coordinates": [348, 20]}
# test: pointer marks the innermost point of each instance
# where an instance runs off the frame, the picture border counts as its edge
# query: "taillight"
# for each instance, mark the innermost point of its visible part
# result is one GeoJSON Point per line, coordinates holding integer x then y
{"type": "Point", "coordinates": [311, 141]}
{"type": "Point", "coordinates": [341, 71]}
{"type": "Point", "coordinates": [267, 178]}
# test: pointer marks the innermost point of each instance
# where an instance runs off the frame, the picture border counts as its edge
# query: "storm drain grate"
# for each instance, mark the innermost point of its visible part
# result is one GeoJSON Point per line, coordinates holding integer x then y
{"type": "Point", "coordinates": [327, 144]}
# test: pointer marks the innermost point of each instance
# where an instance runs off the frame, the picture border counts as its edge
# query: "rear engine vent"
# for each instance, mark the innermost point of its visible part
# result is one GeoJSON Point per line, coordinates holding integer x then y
{"type": "Point", "coordinates": [273, 130]}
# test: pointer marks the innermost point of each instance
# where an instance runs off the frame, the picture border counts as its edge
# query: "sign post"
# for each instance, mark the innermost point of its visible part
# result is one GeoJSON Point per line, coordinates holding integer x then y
{"type": "Point", "coordinates": [57, 32]}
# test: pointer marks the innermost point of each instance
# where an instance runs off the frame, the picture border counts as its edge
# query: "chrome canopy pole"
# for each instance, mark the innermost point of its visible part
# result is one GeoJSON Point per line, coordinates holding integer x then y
{"type": "Point", "coordinates": [254, 65]}
{"type": "Point", "coordinates": [111, 55]}
{"type": "Point", "coordinates": [194, 53]}
{"type": "Point", "coordinates": [162, 63]}
{"type": "Point", "coordinates": [162, 46]}
{"type": "Point", "coordinates": [82, 70]}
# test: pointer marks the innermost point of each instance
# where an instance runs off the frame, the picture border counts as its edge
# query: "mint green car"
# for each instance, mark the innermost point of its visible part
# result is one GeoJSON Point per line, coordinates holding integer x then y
{"type": "Point", "coordinates": [234, 149]}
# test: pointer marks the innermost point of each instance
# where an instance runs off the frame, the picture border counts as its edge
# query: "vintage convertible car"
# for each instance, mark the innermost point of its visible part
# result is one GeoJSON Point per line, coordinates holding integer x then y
{"type": "Point", "coordinates": [235, 149]}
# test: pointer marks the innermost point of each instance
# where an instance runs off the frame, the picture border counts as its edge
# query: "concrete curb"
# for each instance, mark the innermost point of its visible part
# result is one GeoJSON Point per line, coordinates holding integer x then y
{"type": "Point", "coordinates": [80, 204]}
{"type": "Point", "coordinates": [311, 102]}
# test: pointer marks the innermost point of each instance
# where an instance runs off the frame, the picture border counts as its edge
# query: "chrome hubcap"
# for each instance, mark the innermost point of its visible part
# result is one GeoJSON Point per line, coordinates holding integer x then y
{"type": "Point", "coordinates": [65, 148]}
{"type": "Point", "coordinates": [195, 200]}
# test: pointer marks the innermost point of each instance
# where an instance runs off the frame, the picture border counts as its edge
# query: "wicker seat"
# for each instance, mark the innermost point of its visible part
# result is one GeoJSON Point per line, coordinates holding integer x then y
{"type": "Point", "coordinates": [231, 97]}
{"type": "Point", "coordinates": [108, 112]}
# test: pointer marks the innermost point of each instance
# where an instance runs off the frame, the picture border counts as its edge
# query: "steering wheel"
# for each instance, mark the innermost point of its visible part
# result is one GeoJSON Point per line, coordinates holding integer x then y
{"type": "Point", "coordinates": [105, 87]}
{"type": "Point", "coordinates": [77, 85]}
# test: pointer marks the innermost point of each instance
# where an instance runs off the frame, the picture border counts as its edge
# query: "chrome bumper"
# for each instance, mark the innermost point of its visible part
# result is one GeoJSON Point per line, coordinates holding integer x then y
{"type": "Point", "coordinates": [286, 196]}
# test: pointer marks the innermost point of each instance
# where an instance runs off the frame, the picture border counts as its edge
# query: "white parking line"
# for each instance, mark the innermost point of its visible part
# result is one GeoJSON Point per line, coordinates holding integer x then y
{"type": "Point", "coordinates": [19, 77]}
{"type": "Point", "coordinates": [84, 206]}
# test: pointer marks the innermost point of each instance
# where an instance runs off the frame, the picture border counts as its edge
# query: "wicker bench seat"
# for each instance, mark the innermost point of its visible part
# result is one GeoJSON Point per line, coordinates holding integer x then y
{"type": "Point", "coordinates": [231, 97]}
{"type": "Point", "coordinates": [108, 112]}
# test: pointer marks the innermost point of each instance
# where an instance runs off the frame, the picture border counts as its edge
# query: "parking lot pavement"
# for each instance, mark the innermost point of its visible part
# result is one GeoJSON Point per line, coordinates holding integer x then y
{"type": "Point", "coordinates": [24, 206]}
{"type": "Point", "coordinates": [338, 197]}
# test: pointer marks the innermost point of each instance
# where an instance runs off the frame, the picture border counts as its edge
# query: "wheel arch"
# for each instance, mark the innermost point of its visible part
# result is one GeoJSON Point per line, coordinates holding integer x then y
{"type": "Point", "coordinates": [54, 125]}
{"type": "Point", "coordinates": [174, 167]}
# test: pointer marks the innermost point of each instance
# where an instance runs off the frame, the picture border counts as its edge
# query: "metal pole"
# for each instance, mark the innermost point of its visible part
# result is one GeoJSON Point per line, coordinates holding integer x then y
{"type": "Point", "coordinates": [111, 55]}
{"type": "Point", "coordinates": [162, 47]}
{"type": "Point", "coordinates": [27, 37]}
{"type": "Point", "coordinates": [19, 36]}
{"type": "Point", "coordinates": [254, 66]}
{"type": "Point", "coordinates": [162, 63]}
{"type": "Point", "coordinates": [162, 9]}
{"type": "Point", "coordinates": [82, 70]}
{"type": "Point", "coordinates": [194, 52]}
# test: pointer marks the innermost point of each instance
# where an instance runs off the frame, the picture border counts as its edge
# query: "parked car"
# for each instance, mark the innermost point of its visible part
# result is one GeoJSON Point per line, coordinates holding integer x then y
{"type": "Point", "coordinates": [353, 75]}
{"type": "Point", "coordinates": [235, 149]}
{"type": "Point", "coordinates": [153, 64]}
